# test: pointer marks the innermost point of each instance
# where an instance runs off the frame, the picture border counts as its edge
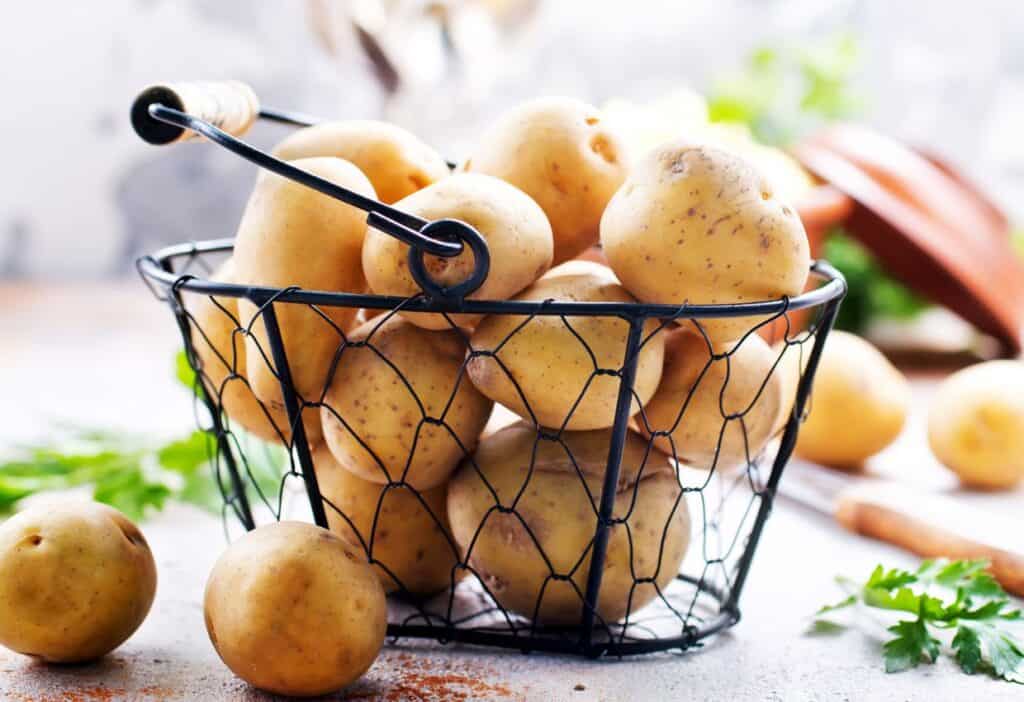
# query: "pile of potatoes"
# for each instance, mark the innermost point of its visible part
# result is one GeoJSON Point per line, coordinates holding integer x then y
{"type": "Point", "coordinates": [395, 405]}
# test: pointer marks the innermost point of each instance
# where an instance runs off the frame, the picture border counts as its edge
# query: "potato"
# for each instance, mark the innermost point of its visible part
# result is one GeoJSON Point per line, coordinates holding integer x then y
{"type": "Point", "coordinates": [976, 424]}
{"type": "Point", "coordinates": [552, 506]}
{"type": "Point", "coordinates": [697, 224]}
{"type": "Point", "coordinates": [295, 610]}
{"type": "Point", "coordinates": [293, 235]}
{"type": "Point", "coordinates": [411, 543]}
{"type": "Point", "coordinates": [560, 152]}
{"type": "Point", "coordinates": [394, 377]}
{"type": "Point", "coordinates": [76, 580]}
{"type": "Point", "coordinates": [517, 233]}
{"type": "Point", "coordinates": [550, 364]}
{"type": "Point", "coordinates": [790, 369]}
{"type": "Point", "coordinates": [858, 404]}
{"type": "Point", "coordinates": [396, 161]}
{"type": "Point", "coordinates": [698, 389]}
{"type": "Point", "coordinates": [220, 347]}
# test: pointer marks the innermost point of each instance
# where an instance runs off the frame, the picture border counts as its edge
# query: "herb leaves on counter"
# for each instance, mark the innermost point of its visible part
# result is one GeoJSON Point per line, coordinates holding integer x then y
{"type": "Point", "coordinates": [942, 597]}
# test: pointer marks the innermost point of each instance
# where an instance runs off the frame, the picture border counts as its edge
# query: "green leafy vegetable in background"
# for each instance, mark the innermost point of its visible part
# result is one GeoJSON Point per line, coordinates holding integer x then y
{"type": "Point", "coordinates": [942, 597]}
{"type": "Point", "coordinates": [131, 474]}
{"type": "Point", "coordinates": [871, 293]}
{"type": "Point", "coordinates": [782, 93]}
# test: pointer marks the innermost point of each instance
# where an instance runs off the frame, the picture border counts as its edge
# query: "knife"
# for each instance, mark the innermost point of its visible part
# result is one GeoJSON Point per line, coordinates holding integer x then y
{"type": "Point", "coordinates": [926, 524]}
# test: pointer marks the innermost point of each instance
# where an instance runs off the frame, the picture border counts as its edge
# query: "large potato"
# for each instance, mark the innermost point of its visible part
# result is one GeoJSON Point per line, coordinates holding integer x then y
{"type": "Point", "coordinates": [858, 404]}
{"type": "Point", "coordinates": [555, 518]}
{"type": "Point", "coordinates": [697, 224]}
{"type": "Point", "coordinates": [517, 233]}
{"type": "Point", "coordinates": [220, 346]}
{"type": "Point", "coordinates": [295, 610]}
{"type": "Point", "coordinates": [76, 580]}
{"type": "Point", "coordinates": [293, 235]}
{"type": "Point", "coordinates": [396, 161]}
{"type": "Point", "coordinates": [561, 153]}
{"type": "Point", "coordinates": [549, 362]}
{"type": "Point", "coordinates": [393, 377]}
{"type": "Point", "coordinates": [406, 532]}
{"type": "Point", "coordinates": [703, 385]}
{"type": "Point", "coordinates": [976, 424]}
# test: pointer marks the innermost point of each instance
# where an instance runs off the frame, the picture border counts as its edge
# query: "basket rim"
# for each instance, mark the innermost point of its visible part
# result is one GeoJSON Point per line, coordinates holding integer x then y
{"type": "Point", "coordinates": [157, 268]}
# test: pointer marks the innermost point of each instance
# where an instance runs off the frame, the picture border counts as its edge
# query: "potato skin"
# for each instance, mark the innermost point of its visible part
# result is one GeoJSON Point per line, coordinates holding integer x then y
{"type": "Point", "coordinates": [76, 580]}
{"type": "Point", "coordinates": [292, 235]}
{"type": "Point", "coordinates": [743, 381]}
{"type": "Point", "coordinates": [561, 153]}
{"type": "Point", "coordinates": [295, 610]}
{"type": "Point", "coordinates": [976, 424]}
{"type": "Point", "coordinates": [517, 233]}
{"type": "Point", "coordinates": [696, 224]}
{"type": "Point", "coordinates": [220, 347]}
{"type": "Point", "coordinates": [411, 543]}
{"type": "Point", "coordinates": [858, 404]}
{"type": "Point", "coordinates": [371, 397]}
{"type": "Point", "coordinates": [549, 363]}
{"type": "Point", "coordinates": [556, 510]}
{"type": "Point", "coordinates": [395, 160]}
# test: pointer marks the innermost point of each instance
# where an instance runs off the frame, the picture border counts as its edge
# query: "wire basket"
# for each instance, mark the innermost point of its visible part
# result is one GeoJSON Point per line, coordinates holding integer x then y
{"type": "Point", "coordinates": [577, 541]}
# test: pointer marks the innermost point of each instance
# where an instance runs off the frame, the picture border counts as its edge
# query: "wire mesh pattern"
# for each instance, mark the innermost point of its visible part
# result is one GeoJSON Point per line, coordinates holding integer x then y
{"type": "Point", "coordinates": [610, 505]}
{"type": "Point", "coordinates": [719, 508]}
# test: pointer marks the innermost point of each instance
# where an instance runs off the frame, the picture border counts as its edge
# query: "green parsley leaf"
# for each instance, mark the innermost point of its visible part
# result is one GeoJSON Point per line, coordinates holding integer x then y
{"type": "Point", "coordinates": [912, 645]}
{"type": "Point", "coordinates": [968, 649]}
{"type": "Point", "coordinates": [842, 604]}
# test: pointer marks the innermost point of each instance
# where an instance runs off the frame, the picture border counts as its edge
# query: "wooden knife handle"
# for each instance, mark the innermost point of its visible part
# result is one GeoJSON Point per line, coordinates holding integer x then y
{"type": "Point", "coordinates": [229, 105]}
{"type": "Point", "coordinates": [924, 536]}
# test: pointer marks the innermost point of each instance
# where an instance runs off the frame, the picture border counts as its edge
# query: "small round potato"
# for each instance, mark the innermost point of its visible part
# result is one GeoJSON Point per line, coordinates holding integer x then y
{"type": "Point", "coordinates": [702, 385]}
{"type": "Point", "coordinates": [220, 346]}
{"type": "Point", "coordinates": [396, 161]}
{"type": "Point", "coordinates": [76, 580]}
{"type": "Point", "coordinates": [292, 235]}
{"type": "Point", "coordinates": [517, 233]}
{"type": "Point", "coordinates": [552, 366]}
{"type": "Point", "coordinates": [411, 547]}
{"type": "Point", "coordinates": [295, 610]}
{"type": "Point", "coordinates": [560, 152]}
{"type": "Point", "coordinates": [555, 520]}
{"type": "Point", "coordinates": [976, 424]}
{"type": "Point", "coordinates": [390, 379]}
{"type": "Point", "coordinates": [858, 404]}
{"type": "Point", "coordinates": [697, 224]}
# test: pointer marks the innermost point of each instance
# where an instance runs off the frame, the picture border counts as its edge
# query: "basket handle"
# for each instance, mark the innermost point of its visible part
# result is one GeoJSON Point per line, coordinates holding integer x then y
{"type": "Point", "coordinates": [230, 105]}
{"type": "Point", "coordinates": [220, 111]}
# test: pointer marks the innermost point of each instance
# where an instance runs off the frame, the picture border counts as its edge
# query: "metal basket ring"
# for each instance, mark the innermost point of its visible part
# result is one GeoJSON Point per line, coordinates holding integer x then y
{"type": "Point", "coordinates": [451, 230]}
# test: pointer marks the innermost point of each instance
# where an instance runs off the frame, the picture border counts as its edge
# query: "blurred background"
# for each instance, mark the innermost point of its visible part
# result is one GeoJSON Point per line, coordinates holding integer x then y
{"type": "Point", "coordinates": [82, 195]}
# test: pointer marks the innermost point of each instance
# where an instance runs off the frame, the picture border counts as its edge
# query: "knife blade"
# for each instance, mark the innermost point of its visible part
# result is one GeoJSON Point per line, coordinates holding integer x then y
{"type": "Point", "coordinates": [926, 524]}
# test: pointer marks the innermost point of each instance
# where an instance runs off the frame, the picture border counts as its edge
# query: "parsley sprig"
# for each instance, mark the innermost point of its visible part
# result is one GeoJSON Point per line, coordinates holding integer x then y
{"type": "Point", "coordinates": [944, 598]}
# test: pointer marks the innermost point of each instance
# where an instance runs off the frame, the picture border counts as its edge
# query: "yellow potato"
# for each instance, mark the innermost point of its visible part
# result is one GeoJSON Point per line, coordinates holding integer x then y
{"type": "Point", "coordinates": [76, 580]}
{"type": "Point", "coordinates": [555, 518]}
{"type": "Point", "coordinates": [384, 419]}
{"type": "Point", "coordinates": [791, 367]}
{"type": "Point", "coordinates": [976, 424]}
{"type": "Point", "coordinates": [517, 233]}
{"type": "Point", "coordinates": [411, 546]}
{"type": "Point", "coordinates": [699, 389]}
{"type": "Point", "coordinates": [293, 235]}
{"type": "Point", "coordinates": [396, 161]}
{"type": "Point", "coordinates": [295, 610]}
{"type": "Point", "coordinates": [697, 224]}
{"type": "Point", "coordinates": [549, 363]}
{"type": "Point", "coordinates": [858, 404]}
{"type": "Point", "coordinates": [220, 346]}
{"type": "Point", "coordinates": [560, 152]}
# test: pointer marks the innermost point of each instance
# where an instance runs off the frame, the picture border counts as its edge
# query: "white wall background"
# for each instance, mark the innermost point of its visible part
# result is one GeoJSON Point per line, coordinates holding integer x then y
{"type": "Point", "coordinates": [80, 195]}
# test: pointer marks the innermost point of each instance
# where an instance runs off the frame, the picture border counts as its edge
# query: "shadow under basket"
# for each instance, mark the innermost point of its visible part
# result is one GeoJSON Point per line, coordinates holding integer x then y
{"type": "Point", "coordinates": [620, 589]}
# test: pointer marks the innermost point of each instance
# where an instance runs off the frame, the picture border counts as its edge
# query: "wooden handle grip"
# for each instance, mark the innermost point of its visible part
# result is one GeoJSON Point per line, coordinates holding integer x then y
{"type": "Point", "coordinates": [920, 531]}
{"type": "Point", "coordinates": [229, 105]}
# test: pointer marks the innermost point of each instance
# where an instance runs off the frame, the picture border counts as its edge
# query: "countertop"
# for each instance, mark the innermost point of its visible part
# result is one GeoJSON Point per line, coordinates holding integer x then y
{"type": "Point", "coordinates": [101, 355]}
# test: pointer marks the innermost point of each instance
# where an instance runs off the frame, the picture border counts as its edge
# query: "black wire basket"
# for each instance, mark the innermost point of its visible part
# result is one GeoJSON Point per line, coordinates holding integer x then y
{"type": "Point", "coordinates": [578, 540]}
